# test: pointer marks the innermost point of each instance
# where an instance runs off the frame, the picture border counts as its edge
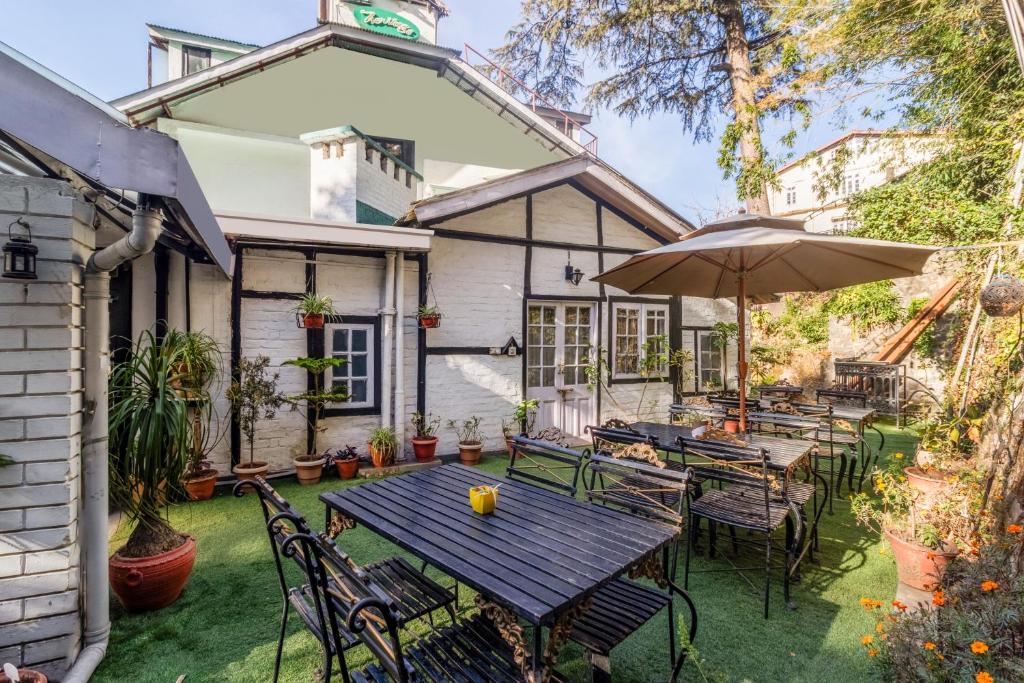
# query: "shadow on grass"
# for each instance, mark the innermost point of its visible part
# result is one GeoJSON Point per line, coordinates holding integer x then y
{"type": "Point", "coordinates": [224, 627]}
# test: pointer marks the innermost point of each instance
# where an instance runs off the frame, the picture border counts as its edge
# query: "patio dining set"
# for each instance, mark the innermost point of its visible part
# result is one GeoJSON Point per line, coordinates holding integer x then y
{"type": "Point", "coordinates": [565, 547]}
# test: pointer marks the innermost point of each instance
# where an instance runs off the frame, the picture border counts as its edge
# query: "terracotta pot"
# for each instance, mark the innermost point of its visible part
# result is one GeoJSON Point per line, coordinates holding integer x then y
{"type": "Point", "coordinates": [143, 584]}
{"type": "Point", "coordinates": [307, 471]}
{"type": "Point", "coordinates": [199, 486]}
{"type": "Point", "coordinates": [26, 676]}
{"type": "Point", "coordinates": [424, 448]}
{"type": "Point", "coordinates": [931, 483]}
{"type": "Point", "coordinates": [347, 469]}
{"type": "Point", "coordinates": [382, 458]}
{"type": "Point", "coordinates": [245, 471]}
{"type": "Point", "coordinates": [313, 321]}
{"type": "Point", "coordinates": [919, 566]}
{"type": "Point", "coordinates": [469, 453]}
{"type": "Point", "coordinates": [428, 322]}
{"type": "Point", "coordinates": [732, 426]}
{"type": "Point", "coordinates": [508, 446]}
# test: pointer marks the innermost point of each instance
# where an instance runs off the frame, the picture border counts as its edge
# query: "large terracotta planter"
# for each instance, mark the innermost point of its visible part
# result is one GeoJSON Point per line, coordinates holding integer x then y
{"type": "Point", "coordinates": [931, 483]}
{"type": "Point", "coordinates": [199, 486]}
{"type": "Point", "coordinates": [308, 469]}
{"type": "Point", "coordinates": [919, 566]}
{"type": "Point", "coordinates": [732, 426]}
{"type": "Point", "coordinates": [382, 458]}
{"type": "Point", "coordinates": [247, 472]}
{"type": "Point", "coordinates": [347, 469]}
{"type": "Point", "coordinates": [424, 449]}
{"type": "Point", "coordinates": [26, 676]}
{"type": "Point", "coordinates": [143, 584]}
{"type": "Point", "coordinates": [469, 453]}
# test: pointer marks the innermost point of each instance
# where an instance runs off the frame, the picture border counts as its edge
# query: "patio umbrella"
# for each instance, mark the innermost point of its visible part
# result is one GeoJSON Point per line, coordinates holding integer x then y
{"type": "Point", "coordinates": [749, 255]}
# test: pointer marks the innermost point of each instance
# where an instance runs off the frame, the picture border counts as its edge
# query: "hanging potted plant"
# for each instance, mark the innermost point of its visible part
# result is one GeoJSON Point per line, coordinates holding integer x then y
{"type": "Point", "coordinates": [429, 317]}
{"type": "Point", "coordinates": [253, 397]}
{"type": "Point", "coordinates": [199, 365]}
{"type": "Point", "coordinates": [923, 540]}
{"type": "Point", "coordinates": [383, 445]}
{"type": "Point", "coordinates": [312, 310]}
{"type": "Point", "coordinates": [424, 442]}
{"type": "Point", "coordinates": [470, 443]}
{"type": "Point", "coordinates": [345, 460]}
{"type": "Point", "coordinates": [523, 419]}
{"type": "Point", "coordinates": [309, 467]}
{"type": "Point", "coordinates": [150, 435]}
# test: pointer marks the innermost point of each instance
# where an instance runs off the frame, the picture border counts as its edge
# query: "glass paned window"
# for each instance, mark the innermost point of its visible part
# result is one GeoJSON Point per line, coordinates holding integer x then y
{"type": "Point", "coordinates": [354, 344]}
{"type": "Point", "coordinates": [194, 59]}
{"type": "Point", "coordinates": [540, 346]}
{"type": "Point", "coordinates": [709, 362]}
{"type": "Point", "coordinates": [634, 325]}
{"type": "Point", "coordinates": [577, 344]}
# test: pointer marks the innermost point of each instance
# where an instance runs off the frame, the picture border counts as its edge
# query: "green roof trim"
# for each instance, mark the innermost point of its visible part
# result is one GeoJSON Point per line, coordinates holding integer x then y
{"type": "Point", "coordinates": [371, 215]}
{"type": "Point", "coordinates": [345, 131]}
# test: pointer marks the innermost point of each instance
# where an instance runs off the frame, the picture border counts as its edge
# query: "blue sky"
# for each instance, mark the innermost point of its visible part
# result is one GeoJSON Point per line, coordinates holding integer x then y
{"type": "Point", "coordinates": [101, 46]}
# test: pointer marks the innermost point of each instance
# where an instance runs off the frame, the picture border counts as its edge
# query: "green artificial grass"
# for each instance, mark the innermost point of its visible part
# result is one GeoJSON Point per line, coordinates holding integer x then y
{"type": "Point", "coordinates": [224, 627]}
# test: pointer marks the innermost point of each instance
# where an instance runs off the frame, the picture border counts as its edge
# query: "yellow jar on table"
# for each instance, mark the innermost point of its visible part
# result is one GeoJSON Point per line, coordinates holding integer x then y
{"type": "Point", "coordinates": [483, 499]}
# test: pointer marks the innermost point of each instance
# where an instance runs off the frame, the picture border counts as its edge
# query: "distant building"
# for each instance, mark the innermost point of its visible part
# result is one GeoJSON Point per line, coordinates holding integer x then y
{"type": "Point", "coordinates": [873, 158]}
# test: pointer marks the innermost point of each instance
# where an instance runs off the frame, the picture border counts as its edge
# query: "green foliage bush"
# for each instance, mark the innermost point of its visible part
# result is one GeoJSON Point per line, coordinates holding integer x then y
{"type": "Point", "coordinates": [866, 306]}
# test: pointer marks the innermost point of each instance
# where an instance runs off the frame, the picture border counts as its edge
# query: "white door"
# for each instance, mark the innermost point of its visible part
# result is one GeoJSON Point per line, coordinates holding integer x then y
{"type": "Point", "coordinates": [559, 343]}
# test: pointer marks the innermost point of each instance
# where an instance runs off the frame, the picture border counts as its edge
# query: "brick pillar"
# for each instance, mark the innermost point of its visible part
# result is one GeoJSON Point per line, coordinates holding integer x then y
{"type": "Point", "coordinates": [41, 364]}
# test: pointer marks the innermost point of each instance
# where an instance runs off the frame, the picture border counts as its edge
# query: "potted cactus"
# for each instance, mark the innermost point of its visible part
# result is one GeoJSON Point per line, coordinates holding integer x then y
{"type": "Point", "coordinates": [383, 446]}
{"type": "Point", "coordinates": [310, 467]}
{"type": "Point", "coordinates": [313, 309]}
{"type": "Point", "coordinates": [424, 442]}
{"type": "Point", "coordinates": [470, 443]}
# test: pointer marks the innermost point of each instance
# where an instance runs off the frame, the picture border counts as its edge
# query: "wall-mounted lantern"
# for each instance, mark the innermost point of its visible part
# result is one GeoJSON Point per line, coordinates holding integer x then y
{"type": "Point", "coordinates": [573, 275]}
{"type": "Point", "coordinates": [20, 253]}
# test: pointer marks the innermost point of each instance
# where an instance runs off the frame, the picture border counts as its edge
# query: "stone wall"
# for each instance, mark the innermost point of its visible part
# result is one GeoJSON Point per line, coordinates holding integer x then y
{"type": "Point", "coordinates": [41, 369]}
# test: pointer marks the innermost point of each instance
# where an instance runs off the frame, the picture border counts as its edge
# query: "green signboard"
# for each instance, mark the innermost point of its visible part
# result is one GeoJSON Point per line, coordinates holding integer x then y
{"type": "Point", "coordinates": [385, 21]}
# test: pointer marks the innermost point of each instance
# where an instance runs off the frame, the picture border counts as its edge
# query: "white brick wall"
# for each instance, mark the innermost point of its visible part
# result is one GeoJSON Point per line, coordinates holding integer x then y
{"type": "Point", "coordinates": [40, 428]}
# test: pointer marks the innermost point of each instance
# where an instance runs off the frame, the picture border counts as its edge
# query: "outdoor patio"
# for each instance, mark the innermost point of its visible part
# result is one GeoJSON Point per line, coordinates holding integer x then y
{"type": "Point", "coordinates": [228, 617]}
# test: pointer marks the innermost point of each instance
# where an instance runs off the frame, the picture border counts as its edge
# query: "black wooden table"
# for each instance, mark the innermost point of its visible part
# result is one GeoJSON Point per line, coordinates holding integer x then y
{"type": "Point", "coordinates": [539, 556]}
{"type": "Point", "coordinates": [784, 454]}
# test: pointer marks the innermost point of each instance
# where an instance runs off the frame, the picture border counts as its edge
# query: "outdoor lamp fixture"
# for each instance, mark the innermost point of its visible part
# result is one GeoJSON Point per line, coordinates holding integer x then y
{"type": "Point", "coordinates": [573, 275]}
{"type": "Point", "coordinates": [20, 253]}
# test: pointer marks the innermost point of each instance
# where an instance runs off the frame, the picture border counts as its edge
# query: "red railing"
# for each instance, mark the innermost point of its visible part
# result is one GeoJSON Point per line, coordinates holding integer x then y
{"type": "Point", "coordinates": [501, 78]}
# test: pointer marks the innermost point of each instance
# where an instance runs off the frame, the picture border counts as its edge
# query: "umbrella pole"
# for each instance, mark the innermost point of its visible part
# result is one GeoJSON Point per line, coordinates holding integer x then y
{"type": "Point", "coordinates": [741, 315]}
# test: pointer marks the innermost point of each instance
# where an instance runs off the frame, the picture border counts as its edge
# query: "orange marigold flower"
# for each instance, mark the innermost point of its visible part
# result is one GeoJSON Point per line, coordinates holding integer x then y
{"type": "Point", "coordinates": [872, 652]}
{"type": "Point", "coordinates": [931, 555]}
{"type": "Point", "coordinates": [1014, 529]}
{"type": "Point", "coordinates": [938, 598]}
{"type": "Point", "coordinates": [979, 648]}
{"type": "Point", "coordinates": [899, 605]}
{"type": "Point", "coordinates": [989, 586]}
{"type": "Point", "coordinates": [983, 677]}
{"type": "Point", "coordinates": [929, 645]}
{"type": "Point", "coordinates": [867, 640]}
{"type": "Point", "coordinates": [879, 627]}
{"type": "Point", "coordinates": [897, 456]}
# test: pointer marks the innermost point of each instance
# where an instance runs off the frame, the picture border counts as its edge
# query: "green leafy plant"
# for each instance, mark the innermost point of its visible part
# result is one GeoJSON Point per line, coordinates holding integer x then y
{"type": "Point", "coordinates": [384, 441]}
{"type": "Point", "coordinates": [428, 311]}
{"type": "Point", "coordinates": [150, 434]}
{"type": "Point", "coordinates": [867, 306]}
{"type": "Point", "coordinates": [254, 397]}
{"type": "Point", "coordinates": [425, 425]}
{"type": "Point", "coordinates": [523, 418]}
{"type": "Point", "coordinates": [722, 333]}
{"type": "Point", "coordinates": [313, 304]}
{"type": "Point", "coordinates": [201, 359]}
{"type": "Point", "coordinates": [468, 430]}
{"type": "Point", "coordinates": [958, 434]}
{"type": "Point", "coordinates": [318, 397]}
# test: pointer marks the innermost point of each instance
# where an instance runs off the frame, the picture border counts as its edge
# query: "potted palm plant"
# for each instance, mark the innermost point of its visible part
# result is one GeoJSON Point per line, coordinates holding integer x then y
{"type": "Point", "coordinates": [150, 435]}
{"type": "Point", "coordinates": [470, 443]}
{"type": "Point", "coordinates": [383, 446]}
{"type": "Point", "coordinates": [200, 363]}
{"type": "Point", "coordinates": [253, 397]}
{"type": "Point", "coordinates": [429, 317]}
{"type": "Point", "coordinates": [424, 442]}
{"type": "Point", "coordinates": [312, 309]}
{"type": "Point", "coordinates": [309, 467]}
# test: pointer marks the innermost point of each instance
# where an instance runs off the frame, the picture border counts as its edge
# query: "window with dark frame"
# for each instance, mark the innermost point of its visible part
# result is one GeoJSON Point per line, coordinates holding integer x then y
{"type": "Point", "coordinates": [710, 361]}
{"type": "Point", "coordinates": [633, 325]}
{"type": "Point", "coordinates": [355, 344]}
{"type": "Point", "coordinates": [194, 59]}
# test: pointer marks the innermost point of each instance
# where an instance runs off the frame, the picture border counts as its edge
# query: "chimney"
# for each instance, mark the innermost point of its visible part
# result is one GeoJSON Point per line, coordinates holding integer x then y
{"type": "Point", "coordinates": [404, 19]}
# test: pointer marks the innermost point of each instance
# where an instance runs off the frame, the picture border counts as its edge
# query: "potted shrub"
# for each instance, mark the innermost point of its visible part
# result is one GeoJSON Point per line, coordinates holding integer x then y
{"type": "Point", "coordinates": [424, 442]}
{"type": "Point", "coordinates": [923, 540]}
{"type": "Point", "coordinates": [12, 674]}
{"type": "Point", "coordinates": [523, 419]}
{"type": "Point", "coordinates": [470, 443]}
{"type": "Point", "coordinates": [201, 360]}
{"type": "Point", "coordinates": [309, 467]}
{"type": "Point", "coordinates": [312, 310]}
{"type": "Point", "coordinates": [345, 460]}
{"type": "Point", "coordinates": [150, 434]}
{"type": "Point", "coordinates": [253, 397]}
{"type": "Point", "coordinates": [383, 446]}
{"type": "Point", "coordinates": [944, 450]}
{"type": "Point", "coordinates": [429, 317]}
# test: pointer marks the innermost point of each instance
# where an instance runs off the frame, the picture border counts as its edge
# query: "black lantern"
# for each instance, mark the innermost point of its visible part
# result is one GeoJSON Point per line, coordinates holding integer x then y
{"type": "Point", "coordinates": [573, 275]}
{"type": "Point", "coordinates": [20, 253]}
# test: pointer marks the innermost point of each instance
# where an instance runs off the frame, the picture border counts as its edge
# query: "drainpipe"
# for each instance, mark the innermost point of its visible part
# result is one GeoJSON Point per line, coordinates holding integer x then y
{"type": "Point", "coordinates": [388, 312]}
{"type": "Point", "coordinates": [146, 227]}
{"type": "Point", "coordinates": [400, 354]}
